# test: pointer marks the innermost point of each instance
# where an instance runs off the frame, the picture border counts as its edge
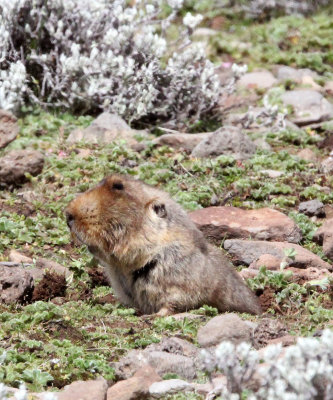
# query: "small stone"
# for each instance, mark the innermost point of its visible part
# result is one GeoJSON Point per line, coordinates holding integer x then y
{"type": "Point", "coordinates": [310, 274]}
{"type": "Point", "coordinates": [136, 387]}
{"type": "Point", "coordinates": [17, 257]}
{"type": "Point", "coordinates": [266, 260]}
{"type": "Point", "coordinates": [249, 251]}
{"type": "Point", "coordinates": [106, 128]}
{"type": "Point", "coordinates": [171, 386]}
{"type": "Point", "coordinates": [224, 327]}
{"type": "Point", "coordinates": [327, 165]}
{"type": "Point", "coordinates": [271, 173]}
{"type": "Point", "coordinates": [329, 88]}
{"type": "Point", "coordinates": [184, 141]}
{"type": "Point", "coordinates": [84, 390]}
{"type": "Point", "coordinates": [170, 356]}
{"type": "Point", "coordinates": [309, 106]}
{"type": "Point", "coordinates": [52, 266]}
{"type": "Point", "coordinates": [8, 128]}
{"type": "Point", "coordinates": [262, 144]}
{"type": "Point", "coordinates": [285, 73]}
{"type": "Point", "coordinates": [267, 330]}
{"type": "Point", "coordinates": [218, 223]}
{"type": "Point", "coordinates": [16, 285]}
{"type": "Point", "coordinates": [307, 155]}
{"type": "Point", "coordinates": [257, 80]}
{"type": "Point", "coordinates": [17, 163]}
{"type": "Point", "coordinates": [285, 341]}
{"type": "Point", "coordinates": [324, 236]}
{"type": "Point", "coordinates": [312, 208]}
{"type": "Point", "coordinates": [228, 140]}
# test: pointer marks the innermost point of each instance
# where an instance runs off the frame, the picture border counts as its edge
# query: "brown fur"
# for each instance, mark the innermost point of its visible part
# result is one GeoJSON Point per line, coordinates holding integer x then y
{"type": "Point", "coordinates": [155, 258]}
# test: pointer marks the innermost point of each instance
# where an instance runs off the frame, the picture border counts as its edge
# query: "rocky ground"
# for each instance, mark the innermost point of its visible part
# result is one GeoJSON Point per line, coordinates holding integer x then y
{"type": "Point", "coordinates": [257, 181]}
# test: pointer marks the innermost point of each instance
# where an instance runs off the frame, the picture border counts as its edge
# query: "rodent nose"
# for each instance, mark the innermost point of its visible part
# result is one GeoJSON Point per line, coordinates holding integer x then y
{"type": "Point", "coordinates": [69, 219]}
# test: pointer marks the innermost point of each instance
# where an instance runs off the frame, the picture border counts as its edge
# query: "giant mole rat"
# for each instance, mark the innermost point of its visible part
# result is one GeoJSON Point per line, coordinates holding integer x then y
{"type": "Point", "coordinates": [155, 258]}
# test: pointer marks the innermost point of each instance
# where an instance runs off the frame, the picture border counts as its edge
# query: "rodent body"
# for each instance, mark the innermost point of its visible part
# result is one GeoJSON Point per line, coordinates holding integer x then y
{"type": "Point", "coordinates": [155, 258]}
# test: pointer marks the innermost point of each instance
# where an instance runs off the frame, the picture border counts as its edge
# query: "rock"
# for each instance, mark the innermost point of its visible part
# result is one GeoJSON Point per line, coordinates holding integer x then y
{"type": "Point", "coordinates": [327, 143]}
{"type": "Point", "coordinates": [327, 165]}
{"type": "Point", "coordinates": [228, 140]}
{"type": "Point", "coordinates": [52, 266]}
{"type": "Point", "coordinates": [8, 128]}
{"type": "Point", "coordinates": [309, 82]}
{"type": "Point", "coordinates": [218, 223]}
{"type": "Point", "coordinates": [285, 73]}
{"type": "Point", "coordinates": [15, 164]}
{"type": "Point", "coordinates": [307, 155]}
{"type": "Point", "coordinates": [16, 285]}
{"type": "Point", "coordinates": [267, 260]}
{"type": "Point", "coordinates": [329, 88]}
{"type": "Point", "coordinates": [185, 141]}
{"type": "Point", "coordinates": [302, 276]}
{"type": "Point", "coordinates": [324, 236]}
{"type": "Point", "coordinates": [106, 128]}
{"type": "Point", "coordinates": [267, 330]}
{"type": "Point", "coordinates": [309, 106]}
{"type": "Point", "coordinates": [17, 257]}
{"type": "Point", "coordinates": [248, 251]}
{"type": "Point", "coordinates": [286, 340]}
{"type": "Point", "coordinates": [271, 173]}
{"type": "Point", "coordinates": [247, 273]}
{"type": "Point", "coordinates": [170, 356]}
{"type": "Point", "coordinates": [136, 387]}
{"type": "Point", "coordinates": [168, 387]}
{"type": "Point", "coordinates": [262, 144]}
{"type": "Point", "coordinates": [257, 80]}
{"type": "Point", "coordinates": [188, 316]}
{"type": "Point", "coordinates": [84, 390]}
{"type": "Point", "coordinates": [312, 208]}
{"type": "Point", "coordinates": [224, 327]}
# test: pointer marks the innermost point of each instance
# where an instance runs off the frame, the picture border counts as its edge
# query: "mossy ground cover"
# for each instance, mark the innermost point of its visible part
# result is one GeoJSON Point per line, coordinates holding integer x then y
{"type": "Point", "coordinates": [51, 345]}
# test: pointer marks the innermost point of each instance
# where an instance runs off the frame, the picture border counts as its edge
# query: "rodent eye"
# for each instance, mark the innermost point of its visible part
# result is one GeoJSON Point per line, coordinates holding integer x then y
{"type": "Point", "coordinates": [117, 186]}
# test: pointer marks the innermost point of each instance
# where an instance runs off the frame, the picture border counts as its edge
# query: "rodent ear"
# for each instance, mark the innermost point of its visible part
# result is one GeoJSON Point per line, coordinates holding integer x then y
{"type": "Point", "coordinates": [159, 209]}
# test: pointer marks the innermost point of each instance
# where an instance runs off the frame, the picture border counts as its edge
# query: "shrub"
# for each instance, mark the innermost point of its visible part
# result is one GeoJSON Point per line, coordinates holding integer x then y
{"type": "Point", "coordinates": [300, 372]}
{"type": "Point", "coordinates": [88, 56]}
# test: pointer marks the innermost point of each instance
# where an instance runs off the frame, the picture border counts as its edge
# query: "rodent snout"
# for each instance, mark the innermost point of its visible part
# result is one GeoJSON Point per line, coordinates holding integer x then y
{"type": "Point", "coordinates": [69, 219]}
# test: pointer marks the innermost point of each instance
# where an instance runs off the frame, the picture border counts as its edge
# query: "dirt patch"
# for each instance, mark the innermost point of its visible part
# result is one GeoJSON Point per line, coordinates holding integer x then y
{"type": "Point", "coordinates": [267, 298]}
{"type": "Point", "coordinates": [82, 292]}
{"type": "Point", "coordinates": [52, 285]}
{"type": "Point", "coordinates": [108, 299]}
{"type": "Point", "coordinates": [97, 277]}
{"type": "Point", "coordinates": [18, 208]}
{"type": "Point", "coordinates": [63, 330]}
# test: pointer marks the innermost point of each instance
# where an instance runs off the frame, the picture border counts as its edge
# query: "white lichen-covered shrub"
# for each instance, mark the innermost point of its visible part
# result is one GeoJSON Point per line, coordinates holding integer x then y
{"type": "Point", "coordinates": [268, 8]}
{"type": "Point", "coordinates": [300, 372]}
{"type": "Point", "coordinates": [92, 55]}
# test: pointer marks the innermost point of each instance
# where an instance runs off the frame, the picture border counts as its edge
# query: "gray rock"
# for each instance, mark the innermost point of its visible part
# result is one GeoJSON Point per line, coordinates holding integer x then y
{"type": "Point", "coordinates": [248, 251]}
{"type": "Point", "coordinates": [168, 387]}
{"type": "Point", "coordinates": [309, 106]}
{"type": "Point", "coordinates": [228, 140]}
{"type": "Point", "coordinates": [312, 208]}
{"type": "Point", "coordinates": [185, 141]}
{"type": "Point", "coordinates": [272, 173]}
{"type": "Point", "coordinates": [285, 73]}
{"type": "Point", "coordinates": [170, 356]}
{"type": "Point", "coordinates": [224, 327]}
{"type": "Point", "coordinates": [16, 285]}
{"type": "Point", "coordinates": [15, 164]}
{"type": "Point", "coordinates": [106, 128]}
{"type": "Point", "coordinates": [8, 128]}
{"type": "Point", "coordinates": [257, 80]}
{"type": "Point", "coordinates": [262, 144]}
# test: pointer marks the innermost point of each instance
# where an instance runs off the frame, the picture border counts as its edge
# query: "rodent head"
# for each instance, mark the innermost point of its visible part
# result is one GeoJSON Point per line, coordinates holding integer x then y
{"type": "Point", "coordinates": [109, 217]}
